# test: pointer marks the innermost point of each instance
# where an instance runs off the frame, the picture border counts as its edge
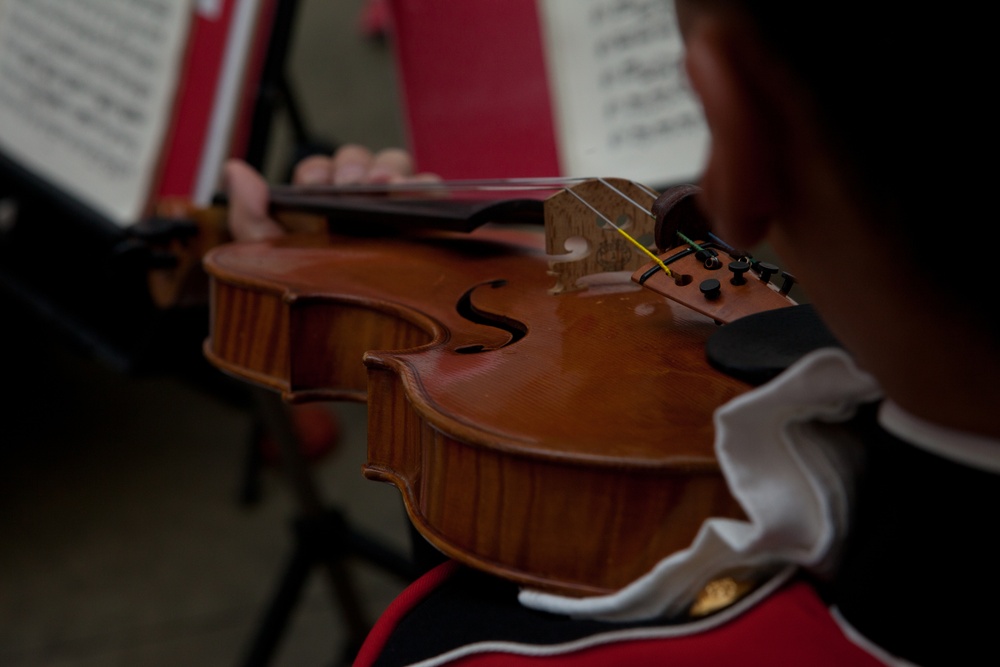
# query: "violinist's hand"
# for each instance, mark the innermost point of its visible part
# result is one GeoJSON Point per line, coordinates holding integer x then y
{"type": "Point", "coordinates": [351, 164]}
{"type": "Point", "coordinates": [247, 191]}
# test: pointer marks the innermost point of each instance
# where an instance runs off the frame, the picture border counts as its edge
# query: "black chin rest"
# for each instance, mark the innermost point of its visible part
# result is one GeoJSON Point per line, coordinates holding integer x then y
{"type": "Point", "coordinates": [758, 347]}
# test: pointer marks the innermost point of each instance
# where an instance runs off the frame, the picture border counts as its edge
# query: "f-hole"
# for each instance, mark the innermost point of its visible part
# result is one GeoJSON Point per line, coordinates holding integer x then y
{"type": "Point", "coordinates": [467, 310]}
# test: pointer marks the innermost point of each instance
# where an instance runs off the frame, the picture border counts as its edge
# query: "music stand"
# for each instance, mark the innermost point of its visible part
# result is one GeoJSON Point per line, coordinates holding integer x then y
{"type": "Point", "coordinates": [86, 278]}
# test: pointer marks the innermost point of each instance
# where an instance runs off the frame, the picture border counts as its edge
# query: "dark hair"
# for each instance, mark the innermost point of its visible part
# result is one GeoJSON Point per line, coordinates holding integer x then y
{"type": "Point", "coordinates": [904, 92]}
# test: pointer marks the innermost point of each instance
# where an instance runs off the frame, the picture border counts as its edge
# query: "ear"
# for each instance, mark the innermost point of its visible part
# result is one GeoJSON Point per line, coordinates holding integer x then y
{"type": "Point", "coordinates": [743, 178]}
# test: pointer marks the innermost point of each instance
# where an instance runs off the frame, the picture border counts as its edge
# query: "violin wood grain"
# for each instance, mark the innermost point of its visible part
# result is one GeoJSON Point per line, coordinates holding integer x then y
{"type": "Point", "coordinates": [563, 441]}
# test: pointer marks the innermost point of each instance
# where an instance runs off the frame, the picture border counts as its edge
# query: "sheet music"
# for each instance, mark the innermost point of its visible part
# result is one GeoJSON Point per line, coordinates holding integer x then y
{"type": "Point", "coordinates": [621, 99]}
{"type": "Point", "coordinates": [86, 90]}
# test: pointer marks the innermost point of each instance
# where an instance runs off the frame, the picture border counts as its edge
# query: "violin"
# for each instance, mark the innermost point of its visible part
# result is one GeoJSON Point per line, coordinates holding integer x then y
{"type": "Point", "coordinates": [538, 393]}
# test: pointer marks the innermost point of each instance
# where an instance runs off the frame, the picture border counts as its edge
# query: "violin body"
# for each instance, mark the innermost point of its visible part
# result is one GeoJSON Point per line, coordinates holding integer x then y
{"type": "Point", "coordinates": [560, 440]}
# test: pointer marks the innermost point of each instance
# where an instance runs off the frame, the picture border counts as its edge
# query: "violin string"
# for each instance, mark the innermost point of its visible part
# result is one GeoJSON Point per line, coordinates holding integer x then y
{"type": "Point", "coordinates": [646, 211]}
{"type": "Point", "coordinates": [490, 184]}
{"type": "Point", "coordinates": [624, 196]}
{"type": "Point", "coordinates": [725, 246]}
{"type": "Point", "coordinates": [693, 244]}
{"type": "Point", "coordinates": [628, 237]}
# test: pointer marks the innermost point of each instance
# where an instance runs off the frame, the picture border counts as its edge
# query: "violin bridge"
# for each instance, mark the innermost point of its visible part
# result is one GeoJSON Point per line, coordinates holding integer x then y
{"type": "Point", "coordinates": [579, 216]}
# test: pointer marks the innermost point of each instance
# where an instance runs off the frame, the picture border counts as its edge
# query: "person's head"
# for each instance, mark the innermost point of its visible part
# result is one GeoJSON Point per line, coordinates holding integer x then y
{"type": "Point", "coordinates": [900, 93]}
{"type": "Point", "coordinates": [851, 137]}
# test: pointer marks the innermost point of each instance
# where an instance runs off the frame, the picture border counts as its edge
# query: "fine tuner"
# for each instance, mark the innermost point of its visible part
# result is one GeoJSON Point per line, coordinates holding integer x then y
{"type": "Point", "coordinates": [746, 289]}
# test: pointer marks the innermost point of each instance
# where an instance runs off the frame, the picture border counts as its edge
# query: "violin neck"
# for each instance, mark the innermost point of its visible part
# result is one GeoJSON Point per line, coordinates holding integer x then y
{"type": "Point", "coordinates": [373, 213]}
{"type": "Point", "coordinates": [461, 205]}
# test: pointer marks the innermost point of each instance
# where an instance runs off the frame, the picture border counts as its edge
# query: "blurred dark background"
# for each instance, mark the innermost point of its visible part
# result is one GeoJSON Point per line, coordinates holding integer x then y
{"type": "Point", "coordinates": [130, 536]}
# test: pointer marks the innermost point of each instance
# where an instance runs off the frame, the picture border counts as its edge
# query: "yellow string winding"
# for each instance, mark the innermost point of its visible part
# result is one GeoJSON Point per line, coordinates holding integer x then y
{"type": "Point", "coordinates": [621, 231]}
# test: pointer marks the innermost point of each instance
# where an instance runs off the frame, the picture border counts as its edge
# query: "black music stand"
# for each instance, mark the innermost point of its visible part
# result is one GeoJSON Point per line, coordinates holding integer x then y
{"type": "Point", "coordinates": [323, 538]}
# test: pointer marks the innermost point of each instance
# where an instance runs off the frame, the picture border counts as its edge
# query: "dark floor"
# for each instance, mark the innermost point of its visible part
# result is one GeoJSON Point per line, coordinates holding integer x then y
{"type": "Point", "coordinates": [124, 537]}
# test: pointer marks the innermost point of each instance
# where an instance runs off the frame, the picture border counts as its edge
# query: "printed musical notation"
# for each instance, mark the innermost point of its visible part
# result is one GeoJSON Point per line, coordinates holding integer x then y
{"type": "Point", "coordinates": [86, 90]}
{"type": "Point", "coordinates": [621, 99]}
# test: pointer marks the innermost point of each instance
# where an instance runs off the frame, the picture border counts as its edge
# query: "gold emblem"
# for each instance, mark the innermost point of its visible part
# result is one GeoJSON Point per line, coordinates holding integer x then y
{"type": "Point", "coordinates": [719, 594]}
